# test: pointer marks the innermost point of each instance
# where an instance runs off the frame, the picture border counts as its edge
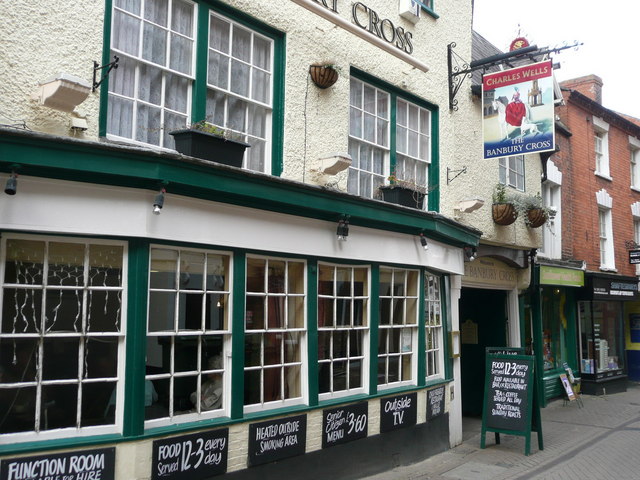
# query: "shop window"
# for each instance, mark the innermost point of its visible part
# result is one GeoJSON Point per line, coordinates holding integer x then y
{"type": "Point", "coordinates": [512, 171]}
{"type": "Point", "coordinates": [150, 93]}
{"type": "Point", "coordinates": [372, 133]}
{"type": "Point", "coordinates": [398, 327]}
{"type": "Point", "coordinates": [602, 347]}
{"type": "Point", "coordinates": [433, 327]}
{"type": "Point", "coordinates": [62, 337]}
{"type": "Point", "coordinates": [187, 332]}
{"type": "Point", "coordinates": [554, 325]}
{"type": "Point", "coordinates": [343, 327]}
{"type": "Point", "coordinates": [275, 332]}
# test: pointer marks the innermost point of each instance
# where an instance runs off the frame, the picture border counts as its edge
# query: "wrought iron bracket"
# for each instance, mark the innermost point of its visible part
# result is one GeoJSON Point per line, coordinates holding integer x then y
{"type": "Point", "coordinates": [457, 173]}
{"type": "Point", "coordinates": [460, 69]}
{"type": "Point", "coordinates": [97, 67]}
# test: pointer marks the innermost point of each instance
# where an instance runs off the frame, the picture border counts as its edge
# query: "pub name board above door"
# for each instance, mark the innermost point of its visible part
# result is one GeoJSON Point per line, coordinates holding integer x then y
{"type": "Point", "coordinates": [367, 24]}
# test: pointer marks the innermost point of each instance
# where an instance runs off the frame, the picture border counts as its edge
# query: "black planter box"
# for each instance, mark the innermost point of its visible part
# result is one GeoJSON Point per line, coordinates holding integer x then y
{"type": "Point", "coordinates": [403, 196]}
{"type": "Point", "coordinates": [207, 146]}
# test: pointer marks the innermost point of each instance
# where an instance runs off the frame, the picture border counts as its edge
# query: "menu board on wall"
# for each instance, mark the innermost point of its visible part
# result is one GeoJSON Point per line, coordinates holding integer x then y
{"type": "Point", "coordinates": [509, 398]}
{"type": "Point", "coordinates": [191, 457]}
{"type": "Point", "coordinates": [398, 412]}
{"type": "Point", "coordinates": [277, 439]}
{"type": "Point", "coordinates": [435, 402]}
{"type": "Point", "coordinates": [344, 424]}
{"type": "Point", "coordinates": [78, 465]}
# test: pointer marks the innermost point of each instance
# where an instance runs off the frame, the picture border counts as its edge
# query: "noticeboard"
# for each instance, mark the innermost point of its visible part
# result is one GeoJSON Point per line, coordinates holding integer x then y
{"type": "Point", "coordinates": [277, 439]}
{"type": "Point", "coordinates": [192, 457]}
{"type": "Point", "coordinates": [398, 412]}
{"type": "Point", "coordinates": [509, 399]}
{"type": "Point", "coordinates": [435, 402]}
{"type": "Point", "coordinates": [344, 424]}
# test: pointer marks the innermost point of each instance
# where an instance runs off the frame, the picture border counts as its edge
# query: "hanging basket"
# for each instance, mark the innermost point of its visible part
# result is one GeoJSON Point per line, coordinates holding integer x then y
{"type": "Point", "coordinates": [536, 217]}
{"type": "Point", "coordinates": [504, 213]}
{"type": "Point", "coordinates": [323, 76]}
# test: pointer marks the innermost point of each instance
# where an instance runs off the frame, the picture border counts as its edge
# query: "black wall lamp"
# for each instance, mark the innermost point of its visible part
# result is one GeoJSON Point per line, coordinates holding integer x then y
{"type": "Point", "coordinates": [470, 252]}
{"type": "Point", "coordinates": [158, 202]}
{"type": "Point", "coordinates": [343, 228]}
{"type": "Point", "coordinates": [11, 187]}
{"type": "Point", "coordinates": [423, 242]}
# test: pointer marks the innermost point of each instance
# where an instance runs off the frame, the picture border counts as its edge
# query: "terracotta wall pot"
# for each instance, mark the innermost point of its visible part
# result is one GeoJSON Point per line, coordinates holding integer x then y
{"type": "Point", "coordinates": [536, 217]}
{"type": "Point", "coordinates": [504, 213]}
{"type": "Point", "coordinates": [323, 76]}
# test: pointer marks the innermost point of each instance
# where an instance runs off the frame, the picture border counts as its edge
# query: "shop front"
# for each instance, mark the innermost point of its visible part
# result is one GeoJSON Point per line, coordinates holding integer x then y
{"type": "Point", "coordinates": [551, 310]}
{"type": "Point", "coordinates": [601, 322]}
{"type": "Point", "coordinates": [632, 334]}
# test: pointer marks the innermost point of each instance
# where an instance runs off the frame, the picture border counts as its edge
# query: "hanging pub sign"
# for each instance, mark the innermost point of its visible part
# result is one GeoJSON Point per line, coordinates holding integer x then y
{"type": "Point", "coordinates": [435, 402]}
{"type": "Point", "coordinates": [344, 424]}
{"type": "Point", "coordinates": [277, 439]}
{"type": "Point", "coordinates": [78, 465]}
{"type": "Point", "coordinates": [192, 457]}
{"type": "Point", "coordinates": [518, 111]}
{"type": "Point", "coordinates": [398, 412]}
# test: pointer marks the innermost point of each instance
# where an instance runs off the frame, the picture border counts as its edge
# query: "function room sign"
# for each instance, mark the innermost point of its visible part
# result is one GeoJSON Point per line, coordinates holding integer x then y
{"type": "Point", "coordinates": [518, 111]}
{"type": "Point", "coordinates": [83, 465]}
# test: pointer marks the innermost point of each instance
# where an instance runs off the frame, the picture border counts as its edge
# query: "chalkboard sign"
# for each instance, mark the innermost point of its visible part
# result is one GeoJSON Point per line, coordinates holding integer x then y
{"type": "Point", "coordinates": [277, 439]}
{"type": "Point", "coordinates": [398, 412]}
{"type": "Point", "coordinates": [344, 424]}
{"type": "Point", "coordinates": [78, 465]}
{"type": "Point", "coordinates": [192, 457]}
{"type": "Point", "coordinates": [509, 398]}
{"type": "Point", "coordinates": [435, 402]}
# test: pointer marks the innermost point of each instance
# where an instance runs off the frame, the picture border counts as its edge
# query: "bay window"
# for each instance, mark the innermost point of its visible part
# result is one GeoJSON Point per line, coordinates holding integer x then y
{"type": "Point", "coordinates": [275, 332]}
{"type": "Point", "coordinates": [343, 327]}
{"type": "Point", "coordinates": [188, 329]}
{"type": "Point", "coordinates": [62, 337]}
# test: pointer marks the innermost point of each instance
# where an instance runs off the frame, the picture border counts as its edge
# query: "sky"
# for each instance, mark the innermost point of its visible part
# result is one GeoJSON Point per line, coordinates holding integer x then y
{"type": "Point", "coordinates": [608, 30]}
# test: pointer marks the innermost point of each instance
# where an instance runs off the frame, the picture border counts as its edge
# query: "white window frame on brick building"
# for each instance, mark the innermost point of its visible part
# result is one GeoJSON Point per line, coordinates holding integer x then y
{"type": "Point", "coordinates": [635, 213]}
{"type": "Point", "coordinates": [634, 159]}
{"type": "Point", "coordinates": [512, 172]}
{"type": "Point", "coordinates": [601, 147]}
{"type": "Point", "coordinates": [551, 198]}
{"type": "Point", "coordinates": [605, 229]}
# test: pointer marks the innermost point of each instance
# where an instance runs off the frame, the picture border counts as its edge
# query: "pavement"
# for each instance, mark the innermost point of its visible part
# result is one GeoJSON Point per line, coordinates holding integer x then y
{"type": "Point", "coordinates": [596, 441]}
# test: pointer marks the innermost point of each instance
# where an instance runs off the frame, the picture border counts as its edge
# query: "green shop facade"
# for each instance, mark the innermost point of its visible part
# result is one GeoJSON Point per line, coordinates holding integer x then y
{"type": "Point", "coordinates": [231, 334]}
{"type": "Point", "coordinates": [551, 322]}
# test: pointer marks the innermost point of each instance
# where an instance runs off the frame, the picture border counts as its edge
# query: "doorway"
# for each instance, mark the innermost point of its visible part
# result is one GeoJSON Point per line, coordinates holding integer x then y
{"type": "Point", "coordinates": [483, 323]}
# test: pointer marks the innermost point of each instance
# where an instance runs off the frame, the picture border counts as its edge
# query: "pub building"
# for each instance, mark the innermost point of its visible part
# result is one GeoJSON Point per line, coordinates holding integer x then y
{"type": "Point", "coordinates": [168, 316]}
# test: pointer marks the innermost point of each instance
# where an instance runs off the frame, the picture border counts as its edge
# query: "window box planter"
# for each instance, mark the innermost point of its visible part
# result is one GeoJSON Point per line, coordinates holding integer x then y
{"type": "Point", "coordinates": [208, 146]}
{"type": "Point", "coordinates": [407, 197]}
{"type": "Point", "coordinates": [536, 217]}
{"type": "Point", "coordinates": [504, 213]}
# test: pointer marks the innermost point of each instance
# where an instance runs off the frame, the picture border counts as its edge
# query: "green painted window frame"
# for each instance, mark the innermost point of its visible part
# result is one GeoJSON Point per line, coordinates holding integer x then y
{"type": "Point", "coordinates": [429, 7]}
{"type": "Point", "coordinates": [433, 197]}
{"type": "Point", "coordinates": [199, 90]}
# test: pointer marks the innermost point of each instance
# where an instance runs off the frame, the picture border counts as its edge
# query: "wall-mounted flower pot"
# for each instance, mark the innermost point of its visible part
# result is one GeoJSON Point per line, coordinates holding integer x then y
{"type": "Point", "coordinates": [323, 76]}
{"type": "Point", "coordinates": [536, 217]}
{"type": "Point", "coordinates": [402, 196]}
{"type": "Point", "coordinates": [504, 213]}
{"type": "Point", "coordinates": [208, 146]}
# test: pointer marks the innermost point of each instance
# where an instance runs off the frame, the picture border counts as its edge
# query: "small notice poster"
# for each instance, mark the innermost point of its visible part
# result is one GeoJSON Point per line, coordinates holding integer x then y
{"type": "Point", "coordinates": [398, 412]}
{"type": "Point", "coordinates": [344, 424]}
{"type": "Point", "coordinates": [568, 388]}
{"type": "Point", "coordinates": [192, 457]}
{"type": "Point", "coordinates": [277, 439]}
{"type": "Point", "coordinates": [435, 402]}
{"type": "Point", "coordinates": [79, 465]}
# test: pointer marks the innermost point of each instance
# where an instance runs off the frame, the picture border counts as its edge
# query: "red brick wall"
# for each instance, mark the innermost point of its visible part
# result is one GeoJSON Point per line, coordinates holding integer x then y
{"type": "Point", "coordinates": [576, 160]}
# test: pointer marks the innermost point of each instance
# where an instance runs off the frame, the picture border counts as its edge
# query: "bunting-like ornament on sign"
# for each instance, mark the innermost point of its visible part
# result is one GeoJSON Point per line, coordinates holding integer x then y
{"type": "Point", "coordinates": [518, 111]}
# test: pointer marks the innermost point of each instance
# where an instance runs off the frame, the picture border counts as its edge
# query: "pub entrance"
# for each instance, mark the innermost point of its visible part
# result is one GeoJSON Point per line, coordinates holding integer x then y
{"type": "Point", "coordinates": [483, 323]}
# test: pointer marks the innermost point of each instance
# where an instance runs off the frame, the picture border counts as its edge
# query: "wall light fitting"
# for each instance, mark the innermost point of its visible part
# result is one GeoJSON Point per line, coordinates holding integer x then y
{"type": "Point", "coordinates": [471, 253]}
{"type": "Point", "coordinates": [423, 242]}
{"type": "Point", "coordinates": [343, 229]}
{"type": "Point", "coordinates": [158, 202]}
{"type": "Point", "coordinates": [11, 187]}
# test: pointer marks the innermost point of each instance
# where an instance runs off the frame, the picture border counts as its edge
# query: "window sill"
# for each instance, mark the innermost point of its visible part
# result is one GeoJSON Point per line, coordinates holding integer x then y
{"type": "Point", "coordinates": [608, 269]}
{"type": "Point", "coordinates": [603, 176]}
{"type": "Point", "coordinates": [635, 189]}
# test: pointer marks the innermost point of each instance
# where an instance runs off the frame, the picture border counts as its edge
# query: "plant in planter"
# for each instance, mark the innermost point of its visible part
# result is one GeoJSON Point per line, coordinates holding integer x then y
{"type": "Point", "coordinates": [324, 75]}
{"type": "Point", "coordinates": [209, 142]}
{"type": "Point", "coordinates": [403, 192]}
{"type": "Point", "coordinates": [534, 213]}
{"type": "Point", "coordinates": [503, 209]}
